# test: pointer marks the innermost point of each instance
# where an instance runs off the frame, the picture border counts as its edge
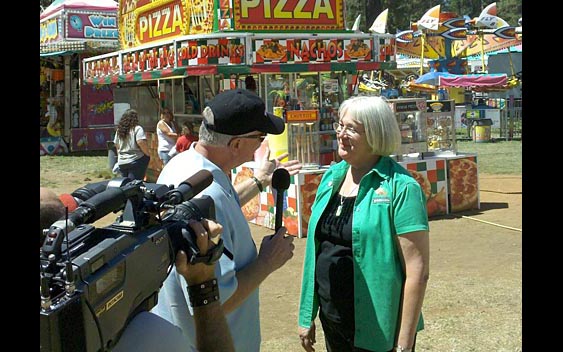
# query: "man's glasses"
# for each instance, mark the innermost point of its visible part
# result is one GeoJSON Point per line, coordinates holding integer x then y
{"type": "Point", "coordinates": [261, 137]}
{"type": "Point", "coordinates": [349, 131]}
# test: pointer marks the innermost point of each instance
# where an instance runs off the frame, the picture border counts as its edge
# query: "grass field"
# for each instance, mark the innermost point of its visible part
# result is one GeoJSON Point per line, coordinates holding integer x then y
{"type": "Point", "coordinates": [474, 297]}
{"type": "Point", "coordinates": [499, 158]}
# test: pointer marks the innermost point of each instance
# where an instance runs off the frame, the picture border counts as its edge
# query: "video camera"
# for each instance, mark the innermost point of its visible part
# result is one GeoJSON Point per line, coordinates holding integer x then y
{"type": "Point", "coordinates": [93, 281]}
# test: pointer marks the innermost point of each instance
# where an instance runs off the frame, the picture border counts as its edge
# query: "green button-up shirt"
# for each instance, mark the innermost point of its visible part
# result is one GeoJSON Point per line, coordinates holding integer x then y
{"type": "Point", "coordinates": [389, 203]}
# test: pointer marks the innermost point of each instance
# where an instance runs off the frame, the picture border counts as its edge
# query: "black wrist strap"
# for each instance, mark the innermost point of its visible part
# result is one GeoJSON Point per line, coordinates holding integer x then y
{"type": "Point", "coordinates": [203, 293]}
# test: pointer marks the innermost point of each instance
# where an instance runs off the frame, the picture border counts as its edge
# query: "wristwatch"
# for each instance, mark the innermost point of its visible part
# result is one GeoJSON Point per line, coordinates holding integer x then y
{"type": "Point", "coordinates": [400, 348]}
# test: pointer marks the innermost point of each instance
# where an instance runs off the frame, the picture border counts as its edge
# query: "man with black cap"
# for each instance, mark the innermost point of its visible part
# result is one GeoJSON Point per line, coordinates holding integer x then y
{"type": "Point", "coordinates": [234, 125]}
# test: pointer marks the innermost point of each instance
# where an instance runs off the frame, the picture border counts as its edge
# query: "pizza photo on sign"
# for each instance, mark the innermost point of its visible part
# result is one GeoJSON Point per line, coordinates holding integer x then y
{"type": "Point", "coordinates": [462, 174]}
{"type": "Point", "coordinates": [272, 50]}
{"type": "Point", "coordinates": [252, 207]}
{"type": "Point", "coordinates": [357, 49]}
{"type": "Point", "coordinates": [308, 194]}
{"type": "Point", "coordinates": [436, 204]}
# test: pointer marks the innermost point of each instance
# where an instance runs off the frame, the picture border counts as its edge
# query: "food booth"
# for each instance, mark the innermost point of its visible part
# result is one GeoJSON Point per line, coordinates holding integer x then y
{"type": "Point", "coordinates": [428, 151]}
{"type": "Point", "coordinates": [303, 69]}
{"type": "Point", "coordinates": [73, 116]}
{"type": "Point", "coordinates": [301, 57]}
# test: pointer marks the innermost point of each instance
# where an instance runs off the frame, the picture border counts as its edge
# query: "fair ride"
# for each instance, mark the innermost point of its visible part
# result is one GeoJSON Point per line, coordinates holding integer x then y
{"type": "Point", "coordinates": [448, 40]}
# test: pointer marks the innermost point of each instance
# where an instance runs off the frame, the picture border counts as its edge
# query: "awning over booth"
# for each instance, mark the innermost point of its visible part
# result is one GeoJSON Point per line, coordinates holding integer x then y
{"type": "Point", "coordinates": [351, 67]}
{"type": "Point", "coordinates": [60, 5]}
{"type": "Point", "coordinates": [76, 46]}
{"type": "Point", "coordinates": [79, 26]}
{"type": "Point", "coordinates": [473, 80]}
{"type": "Point", "coordinates": [431, 81]}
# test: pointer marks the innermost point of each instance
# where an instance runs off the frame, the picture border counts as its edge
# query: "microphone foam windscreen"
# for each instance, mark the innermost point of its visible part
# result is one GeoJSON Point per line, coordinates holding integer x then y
{"type": "Point", "coordinates": [68, 201]}
{"type": "Point", "coordinates": [280, 179]}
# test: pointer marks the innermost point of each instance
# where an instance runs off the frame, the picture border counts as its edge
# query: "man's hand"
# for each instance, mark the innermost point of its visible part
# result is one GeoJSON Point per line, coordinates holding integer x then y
{"type": "Point", "coordinates": [276, 249]}
{"type": "Point", "coordinates": [268, 166]}
{"type": "Point", "coordinates": [207, 234]}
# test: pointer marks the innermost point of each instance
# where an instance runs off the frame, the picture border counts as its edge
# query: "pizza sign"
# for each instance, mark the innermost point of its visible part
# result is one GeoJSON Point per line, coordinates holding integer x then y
{"type": "Point", "coordinates": [289, 15]}
{"type": "Point", "coordinates": [160, 23]}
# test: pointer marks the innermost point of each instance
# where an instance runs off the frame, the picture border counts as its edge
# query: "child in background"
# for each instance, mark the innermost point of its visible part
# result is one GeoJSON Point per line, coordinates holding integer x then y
{"type": "Point", "coordinates": [187, 138]}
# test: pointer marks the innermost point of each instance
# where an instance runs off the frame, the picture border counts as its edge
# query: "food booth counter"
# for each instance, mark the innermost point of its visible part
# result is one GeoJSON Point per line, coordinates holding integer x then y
{"type": "Point", "coordinates": [449, 179]}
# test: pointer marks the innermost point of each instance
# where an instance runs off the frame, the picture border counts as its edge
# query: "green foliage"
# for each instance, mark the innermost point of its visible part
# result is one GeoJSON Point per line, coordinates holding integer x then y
{"type": "Point", "coordinates": [43, 4]}
{"type": "Point", "coordinates": [510, 11]}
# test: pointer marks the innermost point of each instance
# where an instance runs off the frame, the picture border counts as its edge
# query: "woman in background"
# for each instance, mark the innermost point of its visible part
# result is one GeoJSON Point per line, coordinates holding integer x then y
{"type": "Point", "coordinates": [166, 131]}
{"type": "Point", "coordinates": [132, 147]}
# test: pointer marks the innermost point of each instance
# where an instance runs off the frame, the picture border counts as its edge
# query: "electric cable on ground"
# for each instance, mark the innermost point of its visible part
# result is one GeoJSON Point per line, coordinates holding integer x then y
{"type": "Point", "coordinates": [492, 223]}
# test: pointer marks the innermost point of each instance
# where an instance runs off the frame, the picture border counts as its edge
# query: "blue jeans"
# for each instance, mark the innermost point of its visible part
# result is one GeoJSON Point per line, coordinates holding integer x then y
{"type": "Point", "coordinates": [135, 170]}
{"type": "Point", "coordinates": [164, 157]}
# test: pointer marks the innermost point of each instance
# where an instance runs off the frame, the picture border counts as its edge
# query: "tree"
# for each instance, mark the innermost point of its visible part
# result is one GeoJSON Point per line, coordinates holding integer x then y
{"type": "Point", "coordinates": [510, 11]}
{"type": "Point", "coordinates": [43, 4]}
{"type": "Point", "coordinates": [373, 9]}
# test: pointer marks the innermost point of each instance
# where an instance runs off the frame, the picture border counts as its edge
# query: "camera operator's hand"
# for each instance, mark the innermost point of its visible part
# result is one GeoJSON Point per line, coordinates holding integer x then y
{"type": "Point", "coordinates": [208, 233]}
{"type": "Point", "coordinates": [276, 249]}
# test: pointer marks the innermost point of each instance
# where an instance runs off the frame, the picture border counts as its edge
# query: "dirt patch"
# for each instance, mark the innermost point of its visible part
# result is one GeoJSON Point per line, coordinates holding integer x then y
{"type": "Point", "coordinates": [474, 296]}
{"type": "Point", "coordinates": [473, 300]}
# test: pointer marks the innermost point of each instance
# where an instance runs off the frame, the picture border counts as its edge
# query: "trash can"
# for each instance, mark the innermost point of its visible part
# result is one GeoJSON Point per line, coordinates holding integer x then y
{"type": "Point", "coordinates": [482, 130]}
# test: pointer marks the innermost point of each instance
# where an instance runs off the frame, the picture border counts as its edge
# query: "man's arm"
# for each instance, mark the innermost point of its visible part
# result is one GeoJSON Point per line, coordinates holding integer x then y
{"type": "Point", "coordinates": [275, 251]}
{"type": "Point", "coordinates": [212, 330]}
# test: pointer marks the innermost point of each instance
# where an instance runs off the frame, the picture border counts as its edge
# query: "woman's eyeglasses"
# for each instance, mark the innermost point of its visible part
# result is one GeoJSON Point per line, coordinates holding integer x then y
{"type": "Point", "coordinates": [349, 131]}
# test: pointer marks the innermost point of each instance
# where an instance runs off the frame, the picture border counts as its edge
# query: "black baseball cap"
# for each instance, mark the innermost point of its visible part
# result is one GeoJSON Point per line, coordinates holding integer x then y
{"type": "Point", "coordinates": [239, 111]}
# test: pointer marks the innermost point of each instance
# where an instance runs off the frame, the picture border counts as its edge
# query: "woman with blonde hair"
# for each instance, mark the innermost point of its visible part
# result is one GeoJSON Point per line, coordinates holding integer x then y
{"type": "Point", "coordinates": [366, 262]}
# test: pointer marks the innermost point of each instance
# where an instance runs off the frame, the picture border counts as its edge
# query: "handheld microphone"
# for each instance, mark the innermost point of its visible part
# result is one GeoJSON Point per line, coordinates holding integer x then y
{"type": "Point", "coordinates": [191, 186]}
{"type": "Point", "coordinates": [280, 182]}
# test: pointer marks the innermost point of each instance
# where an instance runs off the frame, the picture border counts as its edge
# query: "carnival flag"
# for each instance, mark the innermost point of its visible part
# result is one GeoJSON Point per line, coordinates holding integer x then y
{"type": "Point", "coordinates": [356, 26]}
{"type": "Point", "coordinates": [490, 9]}
{"type": "Point", "coordinates": [488, 18]}
{"type": "Point", "coordinates": [431, 18]}
{"type": "Point", "coordinates": [379, 25]}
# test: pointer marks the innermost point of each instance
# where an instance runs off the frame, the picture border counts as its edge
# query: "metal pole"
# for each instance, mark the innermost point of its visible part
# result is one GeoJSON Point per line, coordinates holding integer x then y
{"type": "Point", "coordinates": [422, 54]}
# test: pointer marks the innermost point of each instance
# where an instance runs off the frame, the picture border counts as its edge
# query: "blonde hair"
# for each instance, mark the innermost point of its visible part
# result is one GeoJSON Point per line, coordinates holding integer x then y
{"type": "Point", "coordinates": [375, 114]}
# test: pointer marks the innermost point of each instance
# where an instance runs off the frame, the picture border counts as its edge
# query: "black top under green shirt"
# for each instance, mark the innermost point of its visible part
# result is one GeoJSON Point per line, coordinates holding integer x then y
{"type": "Point", "coordinates": [335, 269]}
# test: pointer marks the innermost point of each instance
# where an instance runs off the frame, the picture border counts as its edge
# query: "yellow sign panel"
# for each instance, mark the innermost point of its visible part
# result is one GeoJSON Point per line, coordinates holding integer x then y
{"type": "Point", "coordinates": [302, 115]}
{"type": "Point", "coordinates": [145, 21]}
{"type": "Point", "coordinates": [280, 15]}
